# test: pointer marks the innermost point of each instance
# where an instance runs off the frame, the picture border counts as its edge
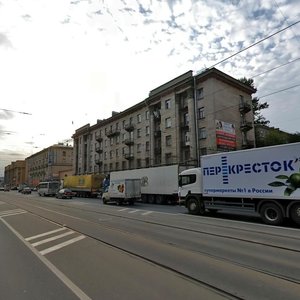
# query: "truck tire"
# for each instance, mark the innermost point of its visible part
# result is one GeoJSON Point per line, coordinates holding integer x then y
{"type": "Point", "coordinates": [195, 206]}
{"type": "Point", "coordinates": [271, 214]}
{"type": "Point", "coordinates": [159, 199]}
{"type": "Point", "coordinates": [151, 199]}
{"type": "Point", "coordinates": [295, 213]}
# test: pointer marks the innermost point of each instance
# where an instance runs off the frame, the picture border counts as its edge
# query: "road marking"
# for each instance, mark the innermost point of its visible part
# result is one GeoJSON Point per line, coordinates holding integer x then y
{"type": "Point", "coordinates": [12, 212]}
{"type": "Point", "coordinates": [61, 245]}
{"type": "Point", "coordinates": [133, 211]}
{"type": "Point", "coordinates": [44, 234]}
{"type": "Point", "coordinates": [52, 238]}
{"type": "Point", "coordinates": [123, 209]}
{"type": "Point", "coordinates": [147, 213]}
{"type": "Point", "coordinates": [72, 286]}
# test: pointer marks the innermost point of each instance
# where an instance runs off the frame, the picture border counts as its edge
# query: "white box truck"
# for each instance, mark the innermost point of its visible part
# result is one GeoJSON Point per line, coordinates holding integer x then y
{"type": "Point", "coordinates": [264, 180]}
{"type": "Point", "coordinates": [122, 191]}
{"type": "Point", "coordinates": [158, 184]}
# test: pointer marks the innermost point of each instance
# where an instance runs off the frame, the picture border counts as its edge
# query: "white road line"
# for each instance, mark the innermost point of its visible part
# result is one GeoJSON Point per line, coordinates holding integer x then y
{"type": "Point", "coordinates": [52, 238]}
{"type": "Point", "coordinates": [133, 211]}
{"type": "Point", "coordinates": [71, 285]}
{"type": "Point", "coordinates": [13, 212]}
{"type": "Point", "coordinates": [59, 246]}
{"type": "Point", "coordinates": [123, 209]}
{"type": "Point", "coordinates": [147, 213]}
{"type": "Point", "coordinates": [45, 233]}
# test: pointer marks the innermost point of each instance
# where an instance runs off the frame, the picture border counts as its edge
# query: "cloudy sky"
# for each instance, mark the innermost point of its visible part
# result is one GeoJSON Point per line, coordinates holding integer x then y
{"type": "Point", "coordinates": [64, 64]}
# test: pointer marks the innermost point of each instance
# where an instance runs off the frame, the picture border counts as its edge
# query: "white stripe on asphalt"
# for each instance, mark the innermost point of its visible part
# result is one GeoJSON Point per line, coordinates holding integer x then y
{"type": "Point", "coordinates": [123, 209]}
{"type": "Point", "coordinates": [59, 246]}
{"type": "Point", "coordinates": [147, 213]}
{"type": "Point", "coordinates": [45, 233]}
{"type": "Point", "coordinates": [52, 238]}
{"type": "Point", "coordinates": [12, 212]}
{"type": "Point", "coordinates": [133, 211]}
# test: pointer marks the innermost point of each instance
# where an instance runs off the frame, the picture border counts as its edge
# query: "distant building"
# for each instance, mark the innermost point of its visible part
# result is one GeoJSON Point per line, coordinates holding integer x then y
{"type": "Point", "coordinates": [51, 163]}
{"type": "Point", "coordinates": [181, 120]}
{"type": "Point", "coordinates": [14, 174]}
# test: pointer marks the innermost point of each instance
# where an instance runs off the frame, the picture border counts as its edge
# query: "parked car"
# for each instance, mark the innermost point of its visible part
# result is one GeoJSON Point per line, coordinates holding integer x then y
{"type": "Point", "coordinates": [6, 188]}
{"type": "Point", "coordinates": [64, 193]}
{"type": "Point", "coordinates": [26, 190]}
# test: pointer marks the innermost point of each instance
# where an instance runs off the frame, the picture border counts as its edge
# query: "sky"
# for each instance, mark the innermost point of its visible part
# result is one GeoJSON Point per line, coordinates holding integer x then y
{"type": "Point", "coordinates": [64, 64]}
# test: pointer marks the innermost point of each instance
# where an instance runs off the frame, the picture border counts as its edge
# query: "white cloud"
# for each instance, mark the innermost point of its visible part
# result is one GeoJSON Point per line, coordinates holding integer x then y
{"type": "Point", "coordinates": [69, 63]}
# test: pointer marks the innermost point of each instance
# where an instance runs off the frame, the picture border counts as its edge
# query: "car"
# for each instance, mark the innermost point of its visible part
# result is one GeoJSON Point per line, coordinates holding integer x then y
{"type": "Point", "coordinates": [1, 188]}
{"type": "Point", "coordinates": [26, 190]}
{"type": "Point", "coordinates": [64, 194]}
{"type": "Point", "coordinates": [6, 188]}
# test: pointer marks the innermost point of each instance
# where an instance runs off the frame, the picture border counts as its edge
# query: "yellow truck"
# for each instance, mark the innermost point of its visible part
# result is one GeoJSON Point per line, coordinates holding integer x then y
{"type": "Point", "coordinates": [84, 185]}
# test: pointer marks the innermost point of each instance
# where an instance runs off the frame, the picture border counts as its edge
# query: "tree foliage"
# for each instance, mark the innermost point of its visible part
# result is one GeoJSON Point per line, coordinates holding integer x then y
{"type": "Point", "coordinates": [256, 105]}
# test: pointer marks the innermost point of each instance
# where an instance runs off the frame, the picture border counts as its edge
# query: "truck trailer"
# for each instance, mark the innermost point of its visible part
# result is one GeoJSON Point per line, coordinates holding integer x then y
{"type": "Point", "coordinates": [262, 180]}
{"type": "Point", "coordinates": [122, 191]}
{"type": "Point", "coordinates": [158, 184]}
{"type": "Point", "coordinates": [84, 185]}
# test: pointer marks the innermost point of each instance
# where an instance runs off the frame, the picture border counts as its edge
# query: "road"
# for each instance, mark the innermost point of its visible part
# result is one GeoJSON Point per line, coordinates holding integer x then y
{"type": "Point", "coordinates": [79, 248]}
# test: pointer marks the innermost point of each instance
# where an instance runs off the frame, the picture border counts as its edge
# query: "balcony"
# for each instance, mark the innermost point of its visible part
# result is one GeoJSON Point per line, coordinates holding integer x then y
{"type": "Point", "coordinates": [98, 162]}
{"type": "Point", "coordinates": [244, 107]}
{"type": "Point", "coordinates": [128, 156]}
{"type": "Point", "coordinates": [246, 126]}
{"type": "Point", "coordinates": [98, 149]}
{"type": "Point", "coordinates": [157, 150]}
{"type": "Point", "coordinates": [112, 132]}
{"type": "Point", "coordinates": [99, 139]}
{"type": "Point", "coordinates": [129, 141]}
{"type": "Point", "coordinates": [129, 127]}
{"type": "Point", "coordinates": [184, 125]}
{"type": "Point", "coordinates": [248, 144]}
{"type": "Point", "coordinates": [157, 133]}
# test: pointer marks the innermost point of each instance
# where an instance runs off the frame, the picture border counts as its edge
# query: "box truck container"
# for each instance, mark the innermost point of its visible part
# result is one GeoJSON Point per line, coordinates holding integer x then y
{"type": "Point", "coordinates": [158, 184]}
{"type": "Point", "coordinates": [122, 191]}
{"type": "Point", "coordinates": [84, 185]}
{"type": "Point", "coordinates": [263, 180]}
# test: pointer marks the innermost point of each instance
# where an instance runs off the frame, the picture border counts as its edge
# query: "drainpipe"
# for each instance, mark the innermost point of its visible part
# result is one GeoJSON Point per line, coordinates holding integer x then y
{"type": "Point", "coordinates": [196, 121]}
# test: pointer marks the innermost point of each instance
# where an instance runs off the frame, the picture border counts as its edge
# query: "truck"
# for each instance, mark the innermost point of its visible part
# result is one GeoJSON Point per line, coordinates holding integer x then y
{"type": "Point", "coordinates": [158, 184]}
{"type": "Point", "coordinates": [122, 191]}
{"type": "Point", "coordinates": [261, 180]}
{"type": "Point", "coordinates": [88, 186]}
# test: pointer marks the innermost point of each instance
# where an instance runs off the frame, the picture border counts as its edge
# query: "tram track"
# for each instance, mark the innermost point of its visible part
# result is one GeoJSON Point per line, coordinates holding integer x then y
{"type": "Point", "coordinates": [170, 246]}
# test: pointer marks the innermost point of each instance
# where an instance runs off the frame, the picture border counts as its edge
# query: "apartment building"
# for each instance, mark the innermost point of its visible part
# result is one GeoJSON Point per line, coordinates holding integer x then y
{"type": "Point", "coordinates": [51, 163]}
{"type": "Point", "coordinates": [178, 122]}
{"type": "Point", "coordinates": [14, 174]}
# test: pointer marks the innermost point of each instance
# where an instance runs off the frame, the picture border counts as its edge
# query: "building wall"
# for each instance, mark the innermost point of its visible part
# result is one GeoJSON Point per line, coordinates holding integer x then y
{"type": "Point", "coordinates": [48, 164]}
{"type": "Point", "coordinates": [165, 128]}
{"type": "Point", "coordinates": [14, 173]}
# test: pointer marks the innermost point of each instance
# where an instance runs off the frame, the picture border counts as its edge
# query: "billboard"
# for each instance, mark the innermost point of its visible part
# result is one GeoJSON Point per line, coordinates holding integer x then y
{"type": "Point", "coordinates": [225, 136]}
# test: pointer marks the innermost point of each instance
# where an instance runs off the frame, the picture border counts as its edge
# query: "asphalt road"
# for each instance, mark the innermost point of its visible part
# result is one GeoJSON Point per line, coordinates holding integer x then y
{"type": "Point", "coordinates": [80, 248]}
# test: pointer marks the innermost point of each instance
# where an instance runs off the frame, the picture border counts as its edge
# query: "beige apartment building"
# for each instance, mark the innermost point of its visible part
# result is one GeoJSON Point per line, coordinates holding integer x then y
{"type": "Point", "coordinates": [178, 122]}
{"type": "Point", "coordinates": [14, 174]}
{"type": "Point", "coordinates": [52, 163]}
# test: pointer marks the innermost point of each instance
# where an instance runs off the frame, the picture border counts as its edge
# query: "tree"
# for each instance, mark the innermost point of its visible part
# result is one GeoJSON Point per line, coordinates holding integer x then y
{"type": "Point", "coordinates": [256, 105]}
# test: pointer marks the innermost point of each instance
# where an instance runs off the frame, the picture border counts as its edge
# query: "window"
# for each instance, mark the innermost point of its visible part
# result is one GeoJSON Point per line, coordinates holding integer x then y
{"type": "Point", "coordinates": [111, 154]}
{"type": "Point", "coordinates": [202, 133]}
{"type": "Point", "coordinates": [139, 148]}
{"type": "Point", "coordinates": [168, 104]}
{"type": "Point", "coordinates": [117, 152]}
{"type": "Point", "coordinates": [139, 132]}
{"type": "Point", "coordinates": [147, 146]}
{"type": "Point", "coordinates": [139, 118]}
{"type": "Point", "coordinates": [147, 115]}
{"type": "Point", "coordinates": [187, 179]}
{"type": "Point", "coordinates": [186, 119]}
{"type": "Point", "coordinates": [199, 94]}
{"type": "Point", "coordinates": [201, 113]}
{"type": "Point", "coordinates": [203, 151]}
{"type": "Point", "coordinates": [147, 162]}
{"type": "Point", "coordinates": [168, 122]}
{"type": "Point", "coordinates": [111, 141]}
{"type": "Point", "coordinates": [123, 124]}
{"type": "Point", "coordinates": [139, 163]}
{"type": "Point", "coordinates": [105, 143]}
{"type": "Point", "coordinates": [105, 155]}
{"type": "Point", "coordinates": [124, 137]}
{"type": "Point", "coordinates": [117, 139]}
{"type": "Point", "coordinates": [168, 140]}
{"type": "Point", "coordinates": [147, 130]}
{"type": "Point", "coordinates": [117, 166]}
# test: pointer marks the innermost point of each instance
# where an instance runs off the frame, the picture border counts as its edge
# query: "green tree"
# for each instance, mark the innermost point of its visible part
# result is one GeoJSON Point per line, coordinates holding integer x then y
{"type": "Point", "coordinates": [256, 105]}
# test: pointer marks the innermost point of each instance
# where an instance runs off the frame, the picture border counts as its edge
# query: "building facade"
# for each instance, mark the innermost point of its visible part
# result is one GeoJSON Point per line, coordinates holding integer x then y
{"type": "Point", "coordinates": [52, 163]}
{"type": "Point", "coordinates": [181, 120]}
{"type": "Point", "coordinates": [15, 173]}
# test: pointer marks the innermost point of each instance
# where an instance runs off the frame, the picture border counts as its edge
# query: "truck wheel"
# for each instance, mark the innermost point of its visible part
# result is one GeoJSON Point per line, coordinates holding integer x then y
{"type": "Point", "coordinates": [295, 213]}
{"type": "Point", "coordinates": [271, 214]}
{"type": "Point", "coordinates": [195, 206]}
{"type": "Point", "coordinates": [159, 199]}
{"type": "Point", "coordinates": [151, 199]}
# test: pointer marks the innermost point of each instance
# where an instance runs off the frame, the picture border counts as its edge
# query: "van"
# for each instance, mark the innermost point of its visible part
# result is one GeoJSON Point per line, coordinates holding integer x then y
{"type": "Point", "coordinates": [48, 188]}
